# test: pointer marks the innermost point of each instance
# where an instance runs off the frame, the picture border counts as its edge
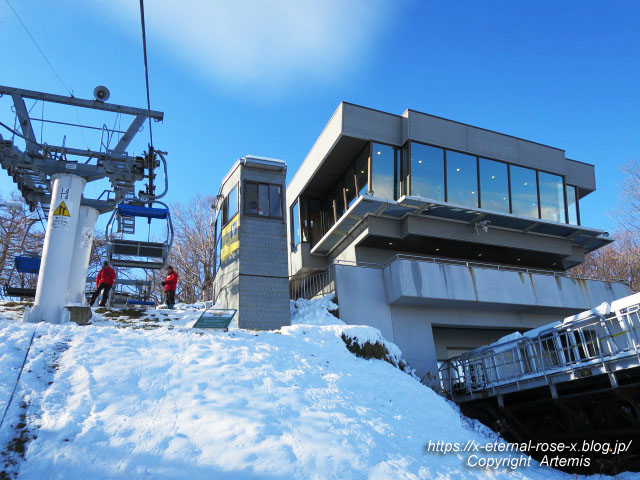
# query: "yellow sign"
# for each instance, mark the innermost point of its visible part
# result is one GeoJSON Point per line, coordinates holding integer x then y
{"type": "Point", "coordinates": [62, 210]}
{"type": "Point", "coordinates": [229, 238]}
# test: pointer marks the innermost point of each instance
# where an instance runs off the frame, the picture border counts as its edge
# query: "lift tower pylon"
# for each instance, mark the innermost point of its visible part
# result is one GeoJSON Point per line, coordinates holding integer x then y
{"type": "Point", "coordinates": [55, 176]}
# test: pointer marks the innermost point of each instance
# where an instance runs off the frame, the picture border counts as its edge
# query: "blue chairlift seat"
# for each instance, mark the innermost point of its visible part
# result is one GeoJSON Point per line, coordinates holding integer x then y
{"type": "Point", "coordinates": [27, 264]}
{"type": "Point", "coordinates": [139, 211]}
{"type": "Point", "coordinates": [140, 302]}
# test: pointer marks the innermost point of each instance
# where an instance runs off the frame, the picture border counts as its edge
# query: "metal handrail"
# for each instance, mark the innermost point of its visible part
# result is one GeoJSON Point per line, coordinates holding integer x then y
{"type": "Point", "coordinates": [465, 263]}
{"type": "Point", "coordinates": [310, 286]}
{"type": "Point", "coordinates": [560, 348]}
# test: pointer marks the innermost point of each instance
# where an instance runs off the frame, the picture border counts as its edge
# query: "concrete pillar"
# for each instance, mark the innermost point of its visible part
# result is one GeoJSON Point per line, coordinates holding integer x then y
{"type": "Point", "coordinates": [58, 250]}
{"type": "Point", "coordinates": [82, 253]}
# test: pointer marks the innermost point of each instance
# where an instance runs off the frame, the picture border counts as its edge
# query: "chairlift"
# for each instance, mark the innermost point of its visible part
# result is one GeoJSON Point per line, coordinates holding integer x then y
{"type": "Point", "coordinates": [123, 251]}
{"type": "Point", "coordinates": [127, 291]}
{"type": "Point", "coordinates": [25, 262]}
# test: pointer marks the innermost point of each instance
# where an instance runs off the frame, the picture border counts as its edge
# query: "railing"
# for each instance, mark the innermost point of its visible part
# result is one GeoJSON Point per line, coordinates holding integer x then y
{"type": "Point", "coordinates": [311, 286]}
{"type": "Point", "coordinates": [591, 340]}
{"type": "Point", "coordinates": [493, 266]}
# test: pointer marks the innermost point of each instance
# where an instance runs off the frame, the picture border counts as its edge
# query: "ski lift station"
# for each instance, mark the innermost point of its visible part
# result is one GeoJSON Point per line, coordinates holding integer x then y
{"type": "Point", "coordinates": [444, 236]}
{"type": "Point", "coordinates": [456, 242]}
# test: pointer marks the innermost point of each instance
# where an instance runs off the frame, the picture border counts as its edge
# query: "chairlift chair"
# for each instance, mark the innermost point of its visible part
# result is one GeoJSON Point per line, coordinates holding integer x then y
{"type": "Point", "coordinates": [132, 253]}
{"type": "Point", "coordinates": [25, 262]}
{"type": "Point", "coordinates": [127, 291]}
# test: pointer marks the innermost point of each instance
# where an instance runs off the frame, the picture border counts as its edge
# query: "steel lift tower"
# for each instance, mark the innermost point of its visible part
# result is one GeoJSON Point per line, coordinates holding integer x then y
{"type": "Point", "coordinates": [55, 176]}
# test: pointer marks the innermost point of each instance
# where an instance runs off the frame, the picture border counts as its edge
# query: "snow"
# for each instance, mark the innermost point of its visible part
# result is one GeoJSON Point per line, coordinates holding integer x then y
{"type": "Point", "coordinates": [314, 312]}
{"type": "Point", "coordinates": [144, 398]}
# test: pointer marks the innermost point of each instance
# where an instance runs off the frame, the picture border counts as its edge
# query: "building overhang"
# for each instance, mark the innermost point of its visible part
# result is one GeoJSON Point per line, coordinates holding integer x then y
{"type": "Point", "coordinates": [422, 222]}
{"type": "Point", "coordinates": [351, 127]}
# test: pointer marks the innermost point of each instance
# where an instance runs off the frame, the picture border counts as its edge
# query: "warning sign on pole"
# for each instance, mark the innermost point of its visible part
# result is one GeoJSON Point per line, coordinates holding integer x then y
{"type": "Point", "coordinates": [62, 210]}
{"type": "Point", "coordinates": [61, 216]}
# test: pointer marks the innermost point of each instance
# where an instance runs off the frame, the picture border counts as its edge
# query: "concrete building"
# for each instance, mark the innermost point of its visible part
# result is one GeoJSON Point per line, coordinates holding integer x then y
{"type": "Point", "coordinates": [443, 235]}
{"type": "Point", "coordinates": [251, 244]}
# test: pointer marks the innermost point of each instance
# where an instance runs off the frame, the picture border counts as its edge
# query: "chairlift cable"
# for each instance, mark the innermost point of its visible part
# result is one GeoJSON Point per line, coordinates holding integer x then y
{"type": "Point", "coordinates": [146, 69]}
{"type": "Point", "coordinates": [55, 72]}
{"type": "Point", "coordinates": [39, 49]}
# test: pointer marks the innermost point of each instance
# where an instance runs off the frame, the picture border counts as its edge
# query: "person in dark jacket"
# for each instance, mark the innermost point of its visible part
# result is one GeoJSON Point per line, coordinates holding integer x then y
{"type": "Point", "coordinates": [169, 285]}
{"type": "Point", "coordinates": [104, 282]}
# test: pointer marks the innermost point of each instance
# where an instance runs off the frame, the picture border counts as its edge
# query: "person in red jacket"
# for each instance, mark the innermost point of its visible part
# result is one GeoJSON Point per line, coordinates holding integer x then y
{"type": "Point", "coordinates": [104, 281]}
{"type": "Point", "coordinates": [169, 285]}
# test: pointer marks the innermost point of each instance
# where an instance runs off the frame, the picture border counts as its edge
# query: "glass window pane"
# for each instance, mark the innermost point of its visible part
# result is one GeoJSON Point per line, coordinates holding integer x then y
{"type": "Point", "coordinates": [350, 186]}
{"type": "Point", "coordinates": [551, 197]}
{"type": "Point", "coordinates": [275, 201]}
{"type": "Point", "coordinates": [338, 196]}
{"type": "Point", "coordinates": [315, 221]}
{"type": "Point", "coordinates": [233, 203]}
{"type": "Point", "coordinates": [383, 163]}
{"type": "Point", "coordinates": [251, 198]}
{"type": "Point", "coordinates": [524, 191]}
{"type": "Point", "coordinates": [218, 239]}
{"type": "Point", "coordinates": [295, 225]}
{"type": "Point", "coordinates": [362, 171]}
{"type": "Point", "coordinates": [462, 179]}
{"type": "Point", "coordinates": [427, 171]}
{"type": "Point", "coordinates": [263, 199]}
{"type": "Point", "coordinates": [305, 221]}
{"type": "Point", "coordinates": [327, 214]}
{"type": "Point", "coordinates": [572, 201]}
{"type": "Point", "coordinates": [494, 185]}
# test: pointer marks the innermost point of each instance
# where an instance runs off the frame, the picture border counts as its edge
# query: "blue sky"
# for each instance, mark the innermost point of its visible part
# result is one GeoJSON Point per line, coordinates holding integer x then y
{"type": "Point", "coordinates": [255, 77]}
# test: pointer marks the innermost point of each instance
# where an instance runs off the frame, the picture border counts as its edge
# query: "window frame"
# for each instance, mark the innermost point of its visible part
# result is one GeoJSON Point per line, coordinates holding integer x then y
{"type": "Point", "coordinates": [579, 222]}
{"type": "Point", "coordinates": [257, 215]}
{"type": "Point", "coordinates": [371, 175]}
{"type": "Point", "coordinates": [509, 165]}
{"type": "Point", "coordinates": [225, 206]}
{"type": "Point", "coordinates": [446, 185]}
{"type": "Point", "coordinates": [295, 206]}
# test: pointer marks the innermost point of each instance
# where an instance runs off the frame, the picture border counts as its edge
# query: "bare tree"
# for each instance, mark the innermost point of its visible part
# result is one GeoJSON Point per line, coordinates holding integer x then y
{"type": "Point", "coordinates": [16, 225]}
{"type": "Point", "coordinates": [192, 255]}
{"type": "Point", "coordinates": [621, 259]}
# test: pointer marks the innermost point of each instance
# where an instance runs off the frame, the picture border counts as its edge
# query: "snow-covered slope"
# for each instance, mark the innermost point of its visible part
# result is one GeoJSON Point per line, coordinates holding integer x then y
{"type": "Point", "coordinates": [113, 401]}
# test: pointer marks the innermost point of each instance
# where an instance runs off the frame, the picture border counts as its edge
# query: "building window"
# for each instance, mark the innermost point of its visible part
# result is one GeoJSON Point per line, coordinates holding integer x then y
{"type": "Point", "coordinates": [524, 191]}
{"type": "Point", "coordinates": [350, 186]}
{"type": "Point", "coordinates": [362, 171]}
{"type": "Point", "coordinates": [383, 166]}
{"type": "Point", "coordinates": [275, 201]}
{"type": "Point", "coordinates": [230, 205]}
{"type": "Point", "coordinates": [494, 185]}
{"type": "Point", "coordinates": [218, 240]}
{"type": "Point", "coordinates": [295, 225]}
{"type": "Point", "coordinates": [263, 199]}
{"type": "Point", "coordinates": [572, 204]}
{"type": "Point", "coordinates": [462, 179]}
{"type": "Point", "coordinates": [305, 221]}
{"type": "Point", "coordinates": [315, 216]}
{"type": "Point", "coordinates": [551, 197]}
{"type": "Point", "coordinates": [338, 198]}
{"type": "Point", "coordinates": [427, 171]}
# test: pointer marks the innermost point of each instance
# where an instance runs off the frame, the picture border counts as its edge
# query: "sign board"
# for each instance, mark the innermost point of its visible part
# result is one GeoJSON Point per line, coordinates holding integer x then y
{"type": "Point", "coordinates": [229, 238]}
{"type": "Point", "coordinates": [215, 318]}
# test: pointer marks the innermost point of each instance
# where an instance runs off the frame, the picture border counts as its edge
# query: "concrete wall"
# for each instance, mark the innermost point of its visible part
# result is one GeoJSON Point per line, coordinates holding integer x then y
{"type": "Point", "coordinates": [406, 300]}
{"type": "Point", "coordinates": [409, 282]}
